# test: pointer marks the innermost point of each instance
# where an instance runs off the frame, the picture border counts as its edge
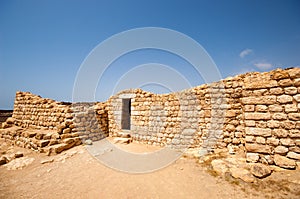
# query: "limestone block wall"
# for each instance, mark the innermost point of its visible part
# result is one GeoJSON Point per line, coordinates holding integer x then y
{"type": "Point", "coordinates": [258, 112]}
{"type": "Point", "coordinates": [271, 104]}
{"type": "Point", "coordinates": [37, 112]}
{"type": "Point", "coordinates": [49, 126]}
{"type": "Point", "coordinates": [90, 120]}
{"type": "Point", "coordinates": [195, 117]}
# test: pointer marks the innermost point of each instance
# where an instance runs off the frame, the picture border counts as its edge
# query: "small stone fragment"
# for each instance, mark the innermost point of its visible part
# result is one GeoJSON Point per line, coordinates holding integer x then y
{"type": "Point", "coordinates": [88, 142]}
{"type": "Point", "coordinates": [260, 170]}
{"type": "Point", "coordinates": [47, 161]}
{"type": "Point", "coordinates": [252, 157]}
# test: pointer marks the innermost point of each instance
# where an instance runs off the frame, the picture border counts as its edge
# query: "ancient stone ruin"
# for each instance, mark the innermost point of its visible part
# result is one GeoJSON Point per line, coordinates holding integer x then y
{"type": "Point", "coordinates": [255, 112]}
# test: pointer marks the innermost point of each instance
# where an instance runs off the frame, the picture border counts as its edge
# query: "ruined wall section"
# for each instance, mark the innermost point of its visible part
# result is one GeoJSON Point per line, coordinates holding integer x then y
{"type": "Point", "coordinates": [271, 104]}
{"type": "Point", "coordinates": [40, 113]}
{"type": "Point", "coordinates": [258, 112]}
{"type": "Point", "coordinates": [48, 126]}
{"type": "Point", "coordinates": [195, 117]}
{"type": "Point", "coordinates": [90, 120]}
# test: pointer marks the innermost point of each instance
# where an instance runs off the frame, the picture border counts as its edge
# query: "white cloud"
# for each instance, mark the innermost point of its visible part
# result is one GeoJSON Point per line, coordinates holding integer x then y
{"type": "Point", "coordinates": [263, 65]}
{"type": "Point", "coordinates": [245, 52]}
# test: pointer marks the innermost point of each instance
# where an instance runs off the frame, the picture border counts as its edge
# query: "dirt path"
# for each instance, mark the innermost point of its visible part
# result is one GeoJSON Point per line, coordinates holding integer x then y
{"type": "Point", "coordinates": [76, 174]}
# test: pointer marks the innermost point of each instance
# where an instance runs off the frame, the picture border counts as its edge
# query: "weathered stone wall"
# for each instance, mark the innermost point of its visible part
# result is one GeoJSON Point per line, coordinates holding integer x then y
{"type": "Point", "coordinates": [255, 111]}
{"type": "Point", "coordinates": [36, 112]}
{"type": "Point", "coordinates": [272, 118]}
{"type": "Point", "coordinates": [49, 126]}
{"type": "Point", "coordinates": [90, 120]}
{"type": "Point", "coordinates": [195, 117]}
{"type": "Point", "coordinates": [258, 112]}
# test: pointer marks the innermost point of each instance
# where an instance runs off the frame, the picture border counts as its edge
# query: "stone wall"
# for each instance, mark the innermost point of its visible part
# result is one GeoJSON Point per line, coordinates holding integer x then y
{"type": "Point", "coordinates": [36, 112]}
{"type": "Point", "coordinates": [48, 126]}
{"type": "Point", "coordinates": [272, 118]}
{"type": "Point", "coordinates": [90, 120]}
{"type": "Point", "coordinates": [258, 112]}
{"type": "Point", "coordinates": [195, 117]}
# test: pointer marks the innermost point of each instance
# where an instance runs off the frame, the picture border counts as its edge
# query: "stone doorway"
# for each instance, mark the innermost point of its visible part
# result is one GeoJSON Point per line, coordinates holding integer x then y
{"type": "Point", "coordinates": [126, 112]}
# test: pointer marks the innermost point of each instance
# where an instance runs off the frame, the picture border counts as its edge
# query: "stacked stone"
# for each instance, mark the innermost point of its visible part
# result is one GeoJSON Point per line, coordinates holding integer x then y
{"type": "Point", "coordinates": [45, 141]}
{"type": "Point", "coordinates": [155, 119]}
{"type": "Point", "coordinates": [90, 121]}
{"type": "Point", "coordinates": [271, 104]}
{"type": "Point", "coordinates": [114, 108]}
{"type": "Point", "coordinates": [233, 129]}
{"type": "Point", "coordinates": [41, 124]}
{"type": "Point", "coordinates": [39, 113]}
{"type": "Point", "coordinates": [179, 120]}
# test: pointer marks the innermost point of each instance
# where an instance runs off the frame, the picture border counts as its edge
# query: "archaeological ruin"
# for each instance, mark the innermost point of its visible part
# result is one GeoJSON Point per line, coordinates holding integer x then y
{"type": "Point", "coordinates": [256, 112]}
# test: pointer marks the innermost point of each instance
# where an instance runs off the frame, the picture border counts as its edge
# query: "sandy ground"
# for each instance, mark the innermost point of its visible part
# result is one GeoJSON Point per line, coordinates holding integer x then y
{"type": "Point", "coordinates": [77, 174]}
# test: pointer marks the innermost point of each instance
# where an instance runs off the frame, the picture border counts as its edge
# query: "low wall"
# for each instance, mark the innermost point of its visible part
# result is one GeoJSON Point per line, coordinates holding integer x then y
{"type": "Point", "coordinates": [48, 126]}
{"type": "Point", "coordinates": [36, 112]}
{"type": "Point", "coordinates": [90, 120]}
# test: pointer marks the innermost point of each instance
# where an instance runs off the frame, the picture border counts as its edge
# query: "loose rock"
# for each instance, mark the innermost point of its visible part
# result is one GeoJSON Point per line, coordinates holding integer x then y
{"type": "Point", "coordinates": [260, 170]}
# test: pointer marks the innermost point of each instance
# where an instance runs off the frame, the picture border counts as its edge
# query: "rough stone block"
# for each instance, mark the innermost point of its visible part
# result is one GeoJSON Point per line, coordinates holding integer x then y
{"type": "Point", "coordinates": [258, 132]}
{"type": "Point", "coordinates": [297, 97]}
{"type": "Point", "coordinates": [189, 132]}
{"type": "Point", "coordinates": [257, 116]}
{"type": "Point", "coordinates": [260, 170]}
{"type": "Point", "coordinates": [258, 148]}
{"type": "Point", "coordinates": [260, 84]}
{"type": "Point", "coordinates": [273, 141]}
{"type": "Point", "coordinates": [264, 100]}
{"type": "Point", "coordinates": [294, 73]}
{"type": "Point", "coordinates": [284, 162]}
{"type": "Point", "coordinates": [287, 142]}
{"type": "Point", "coordinates": [290, 108]}
{"type": "Point", "coordinates": [280, 74]}
{"type": "Point", "coordinates": [290, 90]}
{"type": "Point", "coordinates": [249, 123]}
{"type": "Point", "coordinates": [280, 133]}
{"type": "Point", "coordinates": [285, 82]}
{"type": "Point", "coordinates": [293, 155]}
{"type": "Point", "coordinates": [260, 140]}
{"type": "Point", "coordinates": [283, 99]}
{"type": "Point", "coordinates": [294, 133]}
{"type": "Point", "coordinates": [294, 116]}
{"type": "Point", "coordinates": [279, 116]}
{"type": "Point", "coordinates": [276, 91]}
{"type": "Point", "coordinates": [252, 157]}
{"type": "Point", "coordinates": [275, 108]}
{"type": "Point", "coordinates": [273, 124]}
{"type": "Point", "coordinates": [249, 138]}
{"type": "Point", "coordinates": [282, 150]}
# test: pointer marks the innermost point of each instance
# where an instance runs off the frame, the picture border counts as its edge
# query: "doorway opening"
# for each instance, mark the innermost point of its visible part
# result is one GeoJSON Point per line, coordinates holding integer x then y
{"type": "Point", "coordinates": [126, 113]}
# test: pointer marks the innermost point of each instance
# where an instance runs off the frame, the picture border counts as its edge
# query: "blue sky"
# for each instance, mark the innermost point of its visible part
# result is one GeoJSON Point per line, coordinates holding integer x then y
{"type": "Point", "coordinates": [43, 43]}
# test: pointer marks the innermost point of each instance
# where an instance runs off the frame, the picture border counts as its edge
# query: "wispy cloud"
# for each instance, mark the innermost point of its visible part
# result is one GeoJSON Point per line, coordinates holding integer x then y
{"type": "Point", "coordinates": [245, 52]}
{"type": "Point", "coordinates": [263, 65]}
